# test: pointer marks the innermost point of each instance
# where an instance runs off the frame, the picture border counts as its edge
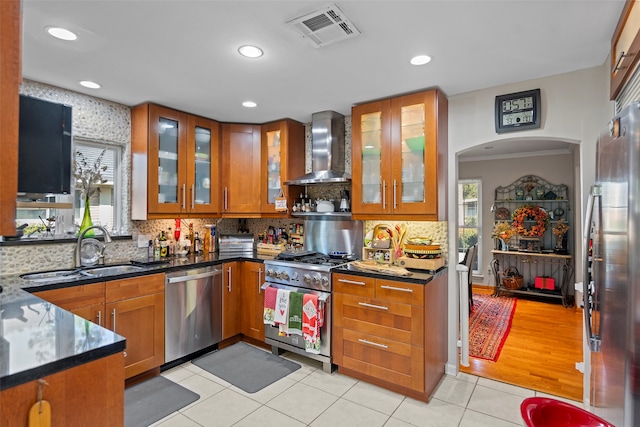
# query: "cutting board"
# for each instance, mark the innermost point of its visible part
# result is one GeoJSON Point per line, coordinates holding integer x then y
{"type": "Point", "coordinates": [40, 414]}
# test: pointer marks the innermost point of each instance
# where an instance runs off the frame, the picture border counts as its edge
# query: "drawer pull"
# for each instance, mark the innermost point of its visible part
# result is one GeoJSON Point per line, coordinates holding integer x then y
{"type": "Point", "coordinates": [393, 288]}
{"type": "Point", "coordinates": [379, 307]}
{"type": "Point", "coordinates": [351, 282]}
{"type": "Point", "coordinates": [373, 343]}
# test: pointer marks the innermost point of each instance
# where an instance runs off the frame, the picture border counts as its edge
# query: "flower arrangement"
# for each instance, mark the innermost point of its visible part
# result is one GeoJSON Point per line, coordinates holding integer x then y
{"type": "Point", "coordinates": [561, 228]}
{"type": "Point", "coordinates": [530, 212]}
{"type": "Point", "coordinates": [88, 177]}
{"type": "Point", "coordinates": [502, 230]}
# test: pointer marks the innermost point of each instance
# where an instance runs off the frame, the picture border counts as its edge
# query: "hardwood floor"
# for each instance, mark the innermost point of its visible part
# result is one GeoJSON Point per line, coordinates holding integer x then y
{"type": "Point", "coordinates": [541, 351]}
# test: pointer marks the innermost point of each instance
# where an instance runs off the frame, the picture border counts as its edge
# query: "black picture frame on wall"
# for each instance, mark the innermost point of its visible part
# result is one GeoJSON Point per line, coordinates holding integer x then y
{"type": "Point", "coordinates": [518, 111]}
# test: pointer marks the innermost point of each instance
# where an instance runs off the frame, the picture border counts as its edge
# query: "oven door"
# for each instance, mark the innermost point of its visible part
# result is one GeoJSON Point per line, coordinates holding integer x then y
{"type": "Point", "coordinates": [296, 340]}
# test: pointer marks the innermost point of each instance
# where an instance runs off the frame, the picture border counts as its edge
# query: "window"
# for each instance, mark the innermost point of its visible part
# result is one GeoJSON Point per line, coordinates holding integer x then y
{"type": "Point", "coordinates": [469, 218]}
{"type": "Point", "coordinates": [63, 218]}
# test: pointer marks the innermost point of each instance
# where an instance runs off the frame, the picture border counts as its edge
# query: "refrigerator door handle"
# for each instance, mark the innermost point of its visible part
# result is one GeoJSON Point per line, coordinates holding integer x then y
{"type": "Point", "coordinates": [594, 339]}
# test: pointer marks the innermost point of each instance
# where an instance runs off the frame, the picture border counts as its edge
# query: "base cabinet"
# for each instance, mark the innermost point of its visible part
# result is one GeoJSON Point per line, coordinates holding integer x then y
{"type": "Point", "coordinates": [91, 394]}
{"type": "Point", "coordinates": [253, 297]}
{"type": "Point", "coordinates": [380, 332]}
{"type": "Point", "coordinates": [231, 299]}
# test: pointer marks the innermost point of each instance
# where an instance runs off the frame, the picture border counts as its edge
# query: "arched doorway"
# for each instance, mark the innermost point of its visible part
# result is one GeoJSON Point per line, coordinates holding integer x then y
{"type": "Point", "coordinates": [498, 163]}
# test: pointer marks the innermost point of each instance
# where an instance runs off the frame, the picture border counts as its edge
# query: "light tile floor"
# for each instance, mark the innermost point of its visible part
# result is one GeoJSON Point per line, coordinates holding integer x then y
{"type": "Point", "coordinates": [311, 397]}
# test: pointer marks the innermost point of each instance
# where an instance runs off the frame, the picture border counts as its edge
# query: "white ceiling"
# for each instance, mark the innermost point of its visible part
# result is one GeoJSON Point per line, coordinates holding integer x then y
{"type": "Point", "coordinates": [183, 54]}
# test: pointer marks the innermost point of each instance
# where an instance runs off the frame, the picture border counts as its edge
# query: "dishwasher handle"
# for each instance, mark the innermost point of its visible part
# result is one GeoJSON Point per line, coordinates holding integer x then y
{"type": "Point", "coordinates": [194, 276]}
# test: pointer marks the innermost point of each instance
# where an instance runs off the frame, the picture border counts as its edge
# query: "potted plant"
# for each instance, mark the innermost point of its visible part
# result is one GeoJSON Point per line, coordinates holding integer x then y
{"type": "Point", "coordinates": [503, 231]}
{"type": "Point", "coordinates": [560, 230]}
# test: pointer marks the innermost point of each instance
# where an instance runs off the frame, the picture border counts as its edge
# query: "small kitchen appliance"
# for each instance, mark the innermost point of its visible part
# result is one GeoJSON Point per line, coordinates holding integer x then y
{"type": "Point", "coordinates": [344, 201]}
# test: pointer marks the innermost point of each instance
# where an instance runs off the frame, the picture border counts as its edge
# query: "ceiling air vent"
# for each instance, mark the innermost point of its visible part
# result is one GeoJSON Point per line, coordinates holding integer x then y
{"type": "Point", "coordinates": [324, 26]}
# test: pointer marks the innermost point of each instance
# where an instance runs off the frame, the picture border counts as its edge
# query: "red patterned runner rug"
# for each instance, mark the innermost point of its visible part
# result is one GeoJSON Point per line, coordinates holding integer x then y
{"type": "Point", "coordinates": [489, 325]}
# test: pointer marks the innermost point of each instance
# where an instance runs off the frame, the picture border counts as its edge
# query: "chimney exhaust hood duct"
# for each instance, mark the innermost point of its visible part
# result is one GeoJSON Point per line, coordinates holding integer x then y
{"type": "Point", "coordinates": [328, 151]}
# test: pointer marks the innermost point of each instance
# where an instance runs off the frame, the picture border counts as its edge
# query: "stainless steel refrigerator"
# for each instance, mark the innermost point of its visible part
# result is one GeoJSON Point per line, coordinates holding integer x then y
{"type": "Point", "coordinates": [612, 272]}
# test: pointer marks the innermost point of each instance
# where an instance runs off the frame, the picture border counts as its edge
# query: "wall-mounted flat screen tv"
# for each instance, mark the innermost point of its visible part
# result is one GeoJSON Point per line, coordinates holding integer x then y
{"type": "Point", "coordinates": [44, 148]}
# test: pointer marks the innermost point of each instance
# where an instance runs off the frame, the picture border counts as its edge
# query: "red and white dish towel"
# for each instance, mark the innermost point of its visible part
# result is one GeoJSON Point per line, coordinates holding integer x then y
{"type": "Point", "coordinates": [311, 323]}
{"type": "Point", "coordinates": [270, 295]}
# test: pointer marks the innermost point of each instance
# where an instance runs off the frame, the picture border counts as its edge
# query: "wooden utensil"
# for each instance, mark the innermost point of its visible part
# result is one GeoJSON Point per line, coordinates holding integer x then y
{"type": "Point", "coordinates": [40, 412]}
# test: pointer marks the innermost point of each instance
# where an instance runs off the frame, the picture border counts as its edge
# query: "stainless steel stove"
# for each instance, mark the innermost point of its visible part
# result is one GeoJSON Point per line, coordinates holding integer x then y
{"type": "Point", "coordinates": [304, 272]}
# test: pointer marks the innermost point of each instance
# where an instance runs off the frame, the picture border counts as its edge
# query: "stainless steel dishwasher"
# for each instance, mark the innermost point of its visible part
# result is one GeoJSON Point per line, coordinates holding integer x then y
{"type": "Point", "coordinates": [193, 311]}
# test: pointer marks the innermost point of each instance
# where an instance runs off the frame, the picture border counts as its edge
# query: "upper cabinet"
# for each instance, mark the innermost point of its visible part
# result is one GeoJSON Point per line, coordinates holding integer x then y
{"type": "Point", "coordinates": [175, 160]}
{"type": "Point", "coordinates": [10, 78]}
{"type": "Point", "coordinates": [283, 157]}
{"type": "Point", "coordinates": [241, 189]}
{"type": "Point", "coordinates": [399, 157]}
{"type": "Point", "coordinates": [625, 46]}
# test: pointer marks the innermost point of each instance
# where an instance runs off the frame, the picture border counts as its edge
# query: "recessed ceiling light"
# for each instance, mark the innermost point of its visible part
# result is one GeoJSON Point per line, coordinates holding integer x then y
{"type": "Point", "coordinates": [420, 60]}
{"type": "Point", "coordinates": [249, 104]}
{"type": "Point", "coordinates": [250, 51]}
{"type": "Point", "coordinates": [62, 33]}
{"type": "Point", "coordinates": [90, 84]}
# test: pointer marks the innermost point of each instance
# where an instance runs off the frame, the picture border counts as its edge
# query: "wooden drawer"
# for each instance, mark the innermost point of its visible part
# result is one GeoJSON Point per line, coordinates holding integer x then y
{"type": "Point", "coordinates": [354, 285]}
{"type": "Point", "coordinates": [75, 297]}
{"type": "Point", "coordinates": [134, 287]}
{"type": "Point", "coordinates": [407, 293]}
{"type": "Point", "coordinates": [389, 320]}
{"type": "Point", "coordinates": [387, 360]}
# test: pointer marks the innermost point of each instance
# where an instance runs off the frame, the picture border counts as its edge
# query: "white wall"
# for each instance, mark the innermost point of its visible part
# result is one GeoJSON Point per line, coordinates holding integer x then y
{"type": "Point", "coordinates": [575, 108]}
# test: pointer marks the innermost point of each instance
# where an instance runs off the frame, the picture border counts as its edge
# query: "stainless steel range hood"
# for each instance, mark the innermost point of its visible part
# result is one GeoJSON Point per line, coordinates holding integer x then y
{"type": "Point", "coordinates": [327, 151]}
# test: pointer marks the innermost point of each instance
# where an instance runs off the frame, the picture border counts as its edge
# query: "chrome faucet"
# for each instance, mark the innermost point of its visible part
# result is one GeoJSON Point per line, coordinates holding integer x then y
{"type": "Point", "coordinates": [76, 255]}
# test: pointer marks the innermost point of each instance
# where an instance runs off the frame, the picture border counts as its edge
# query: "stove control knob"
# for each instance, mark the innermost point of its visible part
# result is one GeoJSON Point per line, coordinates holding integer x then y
{"type": "Point", "coordinates": [294, 276]}
{"type": "Point", "coordinates": [325, 281]}
{"type": "Point", "coordinates": [270, 273]}
{"type": "Point", "coordinates": [316, 279]}
{"type": "Point", "coordinates": [306, 279]}
{"type": "Point", "coordinates": [283, 275]}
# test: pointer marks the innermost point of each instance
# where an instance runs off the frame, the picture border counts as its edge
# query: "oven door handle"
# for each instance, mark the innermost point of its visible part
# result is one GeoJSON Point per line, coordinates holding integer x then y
{"type": "Point", "coordinates": [322, 296]}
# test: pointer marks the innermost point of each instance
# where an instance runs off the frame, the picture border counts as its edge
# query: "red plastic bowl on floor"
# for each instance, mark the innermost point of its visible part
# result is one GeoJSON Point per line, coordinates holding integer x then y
{"type": "Point", "coordinates": [544, 412]}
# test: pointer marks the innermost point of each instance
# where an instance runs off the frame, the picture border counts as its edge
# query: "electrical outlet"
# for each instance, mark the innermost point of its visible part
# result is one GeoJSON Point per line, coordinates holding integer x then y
{"type": "Point", "coordinates": [143, 240]}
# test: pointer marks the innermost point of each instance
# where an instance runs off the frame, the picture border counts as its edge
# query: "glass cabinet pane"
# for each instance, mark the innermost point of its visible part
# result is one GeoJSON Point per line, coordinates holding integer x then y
{"type": "Point", "coordinates": [167, 161]}
{"type": "Point", "coordinates": [371, 125]}
{"type": "Point", "coordinates": [202, 170]}
{"type": "Point", "coordinates": [273, 166]}
{"type": "Point", "coordinates": [412, 128]}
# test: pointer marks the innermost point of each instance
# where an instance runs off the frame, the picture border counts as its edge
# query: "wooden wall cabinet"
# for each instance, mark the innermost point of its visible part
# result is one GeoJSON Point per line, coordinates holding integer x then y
{"type": "Point", "coordinates": [283, 158]}
{"type": "Point", "coordinates": [253, 300]}
{"type": "Point", "coordinates": [399, 161]}
{"type": "Point", "coordinates": [625, 47]}
{"type": "Point", "coordinates": [175, 164]}
{"type": "Point", "coordinates": [241, 189]}
{"type": "Point", "coordinates": [391, 333]}
{"type": "Point", "coordinates": [231, 299]}
{"type": "Point", "coordinates": [10, 78]}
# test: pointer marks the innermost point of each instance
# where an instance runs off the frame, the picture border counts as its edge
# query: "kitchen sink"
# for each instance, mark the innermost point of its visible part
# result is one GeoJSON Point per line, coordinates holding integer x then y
{"type": "Point", "coordinates": [50, 276]}
{"type": "Point", "coordinates": [110, 270]}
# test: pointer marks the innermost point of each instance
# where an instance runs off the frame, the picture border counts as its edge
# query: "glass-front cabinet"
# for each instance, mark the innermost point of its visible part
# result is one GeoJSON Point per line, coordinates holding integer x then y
{"type": "Point", "coordinates": [283, 158]}
{"type": "Point", "coordinates": [182, 155]}
{"type": "Point", "coordinates": [398, 163]}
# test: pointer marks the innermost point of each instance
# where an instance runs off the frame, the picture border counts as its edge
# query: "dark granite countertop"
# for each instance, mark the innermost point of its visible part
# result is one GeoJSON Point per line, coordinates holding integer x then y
{"type": "Point", "coordinates": [39, 339]}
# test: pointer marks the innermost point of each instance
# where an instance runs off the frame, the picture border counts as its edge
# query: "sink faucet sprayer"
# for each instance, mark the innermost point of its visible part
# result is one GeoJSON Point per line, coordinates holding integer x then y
{"type": "Point", "coordinates": [76, 255]}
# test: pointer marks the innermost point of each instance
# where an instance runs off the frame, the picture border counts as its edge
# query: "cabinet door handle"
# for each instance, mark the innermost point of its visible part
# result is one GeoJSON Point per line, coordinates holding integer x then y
{"type": "Point", "coordinates": [393, 288]}
{"type": "Point", "coordinates": [373, 343]}
{"type": "Point", "coordinates": [99, 317]}
{"type": "Point", "coordinates": [351, 282]}
{"type": "Point", "coordinates": [384, 194]}
{"type": "Point", "coordinates": [229, 280]}
{"type": "Point", "coordinates": [193, 196]}
{"type": "Point", "coordinates": [379, 307]}
{"type": "Point", "coordinates": [259, 279]}
{"type": "Point", "coordinates": [184, 191]}
{"type": "Point", "coordinates": [113, 314]}
{"type": "Point", "coordinates": [225, 198]}
{"type": "Point", "coordinates": [395, 200]}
